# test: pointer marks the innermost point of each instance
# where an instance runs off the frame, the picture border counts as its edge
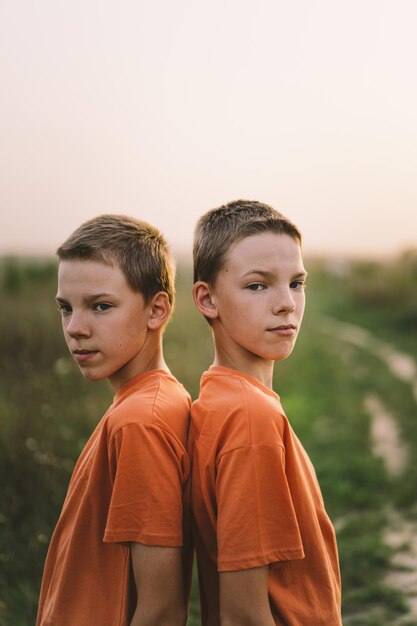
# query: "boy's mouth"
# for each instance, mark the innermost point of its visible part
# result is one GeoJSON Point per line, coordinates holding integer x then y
{"type": "Point", "coordinates": [83, 355]}
{"type": "Point", "coordinates": [283, 329]}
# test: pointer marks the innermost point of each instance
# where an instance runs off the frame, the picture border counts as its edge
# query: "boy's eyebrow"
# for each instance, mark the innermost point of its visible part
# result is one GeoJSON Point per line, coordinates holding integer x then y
{"type": "Point", "coordinates": [91, 298]}
{"type": "Point", "coordinates": [268, 274]}
{"type": "Point", "coordinates": [303, 274]}
{"type": "Point", "coordinates": [260, 272]}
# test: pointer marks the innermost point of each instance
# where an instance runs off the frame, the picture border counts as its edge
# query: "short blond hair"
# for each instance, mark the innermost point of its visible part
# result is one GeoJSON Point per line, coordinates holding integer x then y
{"type": "Point", "coordinates": [218, 229]}
{"type": "Point", "coordinates": [138, 248]}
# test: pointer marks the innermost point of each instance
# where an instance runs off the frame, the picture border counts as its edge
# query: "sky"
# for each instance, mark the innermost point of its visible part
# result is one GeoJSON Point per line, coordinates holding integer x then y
{"type": "Point", "coordinates": [163, 110]}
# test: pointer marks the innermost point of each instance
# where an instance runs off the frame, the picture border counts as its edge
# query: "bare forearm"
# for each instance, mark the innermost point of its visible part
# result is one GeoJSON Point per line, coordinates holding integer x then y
{"type": "Point", "coordinates": [159, 584]}
{"type": "Point", "coordinates": [212, 619]}
{"type": "Point", "coordinates": [244, 599]}
{"type": "Point", "coordinates": [245, 619]}
{"type": "Point", "coordinates": [163, 616]}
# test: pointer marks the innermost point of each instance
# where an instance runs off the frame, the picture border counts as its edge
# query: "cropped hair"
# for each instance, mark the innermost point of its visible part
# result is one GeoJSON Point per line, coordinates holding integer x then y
{"type": "Point", "coordinates": [138, 248]}
{"type": "Point", "coordinates": [218, 229]}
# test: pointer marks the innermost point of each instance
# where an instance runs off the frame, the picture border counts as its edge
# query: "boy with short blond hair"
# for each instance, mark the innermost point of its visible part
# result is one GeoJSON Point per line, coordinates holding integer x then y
{"type": "Point", "coordinates": [266, 548]}
{"type": "Point", "coordinates": [118, 556]}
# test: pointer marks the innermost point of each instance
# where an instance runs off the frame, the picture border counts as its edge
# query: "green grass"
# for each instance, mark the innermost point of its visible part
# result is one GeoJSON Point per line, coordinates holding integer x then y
{"type": "Point", "coordinates": [47, 412]}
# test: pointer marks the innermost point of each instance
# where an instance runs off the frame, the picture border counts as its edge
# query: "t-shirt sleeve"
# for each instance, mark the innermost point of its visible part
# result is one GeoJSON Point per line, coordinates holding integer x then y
{"type": "Point", "coordinates": [148, 469]}
{"type": "Point", "coordinates": [256, 522]}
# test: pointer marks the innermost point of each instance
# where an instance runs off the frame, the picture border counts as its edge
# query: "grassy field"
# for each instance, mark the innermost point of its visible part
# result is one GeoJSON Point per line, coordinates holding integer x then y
{"type": "Point", "coordinates": [47, 412]}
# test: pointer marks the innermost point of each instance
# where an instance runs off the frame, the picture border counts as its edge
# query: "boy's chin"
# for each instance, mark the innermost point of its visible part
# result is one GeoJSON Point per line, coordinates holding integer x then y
{"type": "Point", "coordinates": [92, 376]}
{"type": "Point", "coordinates": [282, 357]}
{"type": "Point", "coordinates": [279, 355]}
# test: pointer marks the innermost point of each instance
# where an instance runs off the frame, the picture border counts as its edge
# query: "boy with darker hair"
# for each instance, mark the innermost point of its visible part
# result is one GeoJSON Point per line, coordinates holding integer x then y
{"type": "Point", "coordinates": [116, 555]}
{"type": "Point", "coordinates": [265, 546]}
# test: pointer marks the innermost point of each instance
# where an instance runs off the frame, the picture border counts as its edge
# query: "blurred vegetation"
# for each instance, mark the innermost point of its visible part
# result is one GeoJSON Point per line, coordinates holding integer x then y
{"type": "Point", "coordinates": [390, 286]}
{"type": "Point", "coordinates": [381, 296]}
{"type": "Point", "coordinates": [47, 412]}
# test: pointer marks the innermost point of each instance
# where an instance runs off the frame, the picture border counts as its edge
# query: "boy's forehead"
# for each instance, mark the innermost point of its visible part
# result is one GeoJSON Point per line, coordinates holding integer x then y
{"type": "Point", "coordinates": [80, 272]}
{"type": "Point", "coordinates": [264, 249]}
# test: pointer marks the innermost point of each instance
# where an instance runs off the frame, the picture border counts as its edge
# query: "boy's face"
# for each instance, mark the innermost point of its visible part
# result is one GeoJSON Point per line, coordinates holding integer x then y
{"type": "Point", "coordinates": [105, 323]}
{"type": "Point", "coordinates": [259, 297]}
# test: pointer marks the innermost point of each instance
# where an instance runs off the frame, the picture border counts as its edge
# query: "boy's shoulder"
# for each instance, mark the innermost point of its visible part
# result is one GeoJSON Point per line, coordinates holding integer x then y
{"type": "Point", "coordinates": [222, 386]}
{"type": "Point", "coordinates": [236, 407]}
{"type": "Point", "coordinates": [155, 398]}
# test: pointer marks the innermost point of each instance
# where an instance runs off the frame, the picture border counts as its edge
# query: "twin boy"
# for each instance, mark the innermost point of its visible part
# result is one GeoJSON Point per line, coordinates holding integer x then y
{"type": "Point", "coordinates": [235, 482]}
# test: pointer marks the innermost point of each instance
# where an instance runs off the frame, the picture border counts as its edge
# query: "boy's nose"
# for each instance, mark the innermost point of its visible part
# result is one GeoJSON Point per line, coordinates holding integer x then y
{"type": "Point", "coordinates": [284, 303]}
{"type": "Point", "coordinates": [77, 326]}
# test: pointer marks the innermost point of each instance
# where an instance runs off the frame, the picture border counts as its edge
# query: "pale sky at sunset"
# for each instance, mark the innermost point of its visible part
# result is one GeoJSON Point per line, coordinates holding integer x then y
{"type": "Point", "coordinates": [163, 109]}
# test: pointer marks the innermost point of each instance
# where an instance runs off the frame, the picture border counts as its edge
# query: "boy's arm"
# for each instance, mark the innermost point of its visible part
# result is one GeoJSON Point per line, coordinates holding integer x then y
{"type": "Point", "coordinates": [158, 573]}
{"type": "Point", "coordinates": [244, 598]}
{"type": "Point", "coordinates": [256, 526]}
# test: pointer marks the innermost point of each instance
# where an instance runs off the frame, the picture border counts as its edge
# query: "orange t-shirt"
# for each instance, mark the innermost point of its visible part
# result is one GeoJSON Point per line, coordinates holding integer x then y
{"type": "Point", "coordinates": [255, 500]}
{"type": "Point", "coordinates": [128, 485]}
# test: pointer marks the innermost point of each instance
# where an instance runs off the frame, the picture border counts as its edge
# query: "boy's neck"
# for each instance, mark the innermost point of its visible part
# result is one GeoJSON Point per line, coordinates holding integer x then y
{"type": "Point", "coordinates": [149, 360]}
{"type": "Point", "coordinates": [157, 362]}
{"type": "Point", "coordinates": [260, 369]}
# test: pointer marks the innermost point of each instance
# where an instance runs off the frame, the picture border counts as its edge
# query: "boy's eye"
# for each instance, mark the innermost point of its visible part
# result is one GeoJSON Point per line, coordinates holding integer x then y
{"type": "Point", "coordinates": [102, 306]}
{"type": "Point", "coordinates": [298, 284]}
{"type": "Point", "coordinates": [256, 287]}
{"type": "Point", "coordinates": [63, 308]}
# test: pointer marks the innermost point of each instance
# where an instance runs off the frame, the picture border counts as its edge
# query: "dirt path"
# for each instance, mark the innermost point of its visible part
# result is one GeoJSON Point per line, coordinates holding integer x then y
{"type": "Point", "coordinates": [385, 436]}
{"type": "Point", "coordinates": [401, 533]}
{"type": "Point", "coordinates": [402, 538]}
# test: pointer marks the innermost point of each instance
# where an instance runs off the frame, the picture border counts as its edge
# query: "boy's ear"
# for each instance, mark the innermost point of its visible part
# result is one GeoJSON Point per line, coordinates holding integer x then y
{"type": "Point", "coordinates": [160, 309]}
{"type": "Point", "coordinates": [203, 299]}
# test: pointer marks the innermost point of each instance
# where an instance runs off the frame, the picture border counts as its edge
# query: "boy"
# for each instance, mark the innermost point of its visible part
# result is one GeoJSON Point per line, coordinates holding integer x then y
{"type": "Point", "coordinates": [115, 557]}
{"type": "Point", "coordinates": [266, 549]}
